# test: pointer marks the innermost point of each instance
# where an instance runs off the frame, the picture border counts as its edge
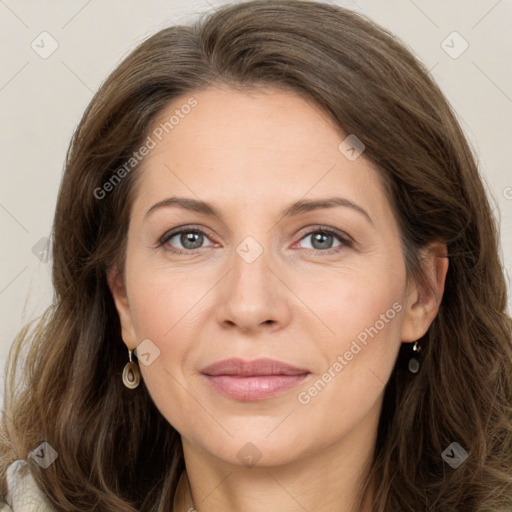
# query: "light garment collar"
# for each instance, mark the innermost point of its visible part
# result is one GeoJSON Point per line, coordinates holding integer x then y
{"type": "Point", "coordinates": [23, 494]}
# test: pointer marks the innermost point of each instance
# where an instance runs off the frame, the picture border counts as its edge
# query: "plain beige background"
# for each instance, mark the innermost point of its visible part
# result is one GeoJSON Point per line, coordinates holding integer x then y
{"type": "Point", "coordinates": [467, 45]}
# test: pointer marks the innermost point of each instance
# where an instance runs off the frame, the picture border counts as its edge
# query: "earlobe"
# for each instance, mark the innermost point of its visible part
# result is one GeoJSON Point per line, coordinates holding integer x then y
{"type": "Point", "coordinates": [424, 298]}
{"type": "Point", "coordinates": [118, 291]}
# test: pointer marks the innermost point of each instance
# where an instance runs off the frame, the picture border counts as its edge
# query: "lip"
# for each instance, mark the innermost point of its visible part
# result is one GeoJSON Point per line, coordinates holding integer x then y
{"type": "Point", "coordinates": [256, 367]}
{"type": "Point", "coordinates": [253, 380]}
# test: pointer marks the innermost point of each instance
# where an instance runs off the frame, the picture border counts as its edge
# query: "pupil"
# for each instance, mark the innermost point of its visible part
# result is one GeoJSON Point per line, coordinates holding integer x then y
{"type": "Point", "coordinates": [322, 238]}
{"type": "Point", "coordinates": [189, 239]}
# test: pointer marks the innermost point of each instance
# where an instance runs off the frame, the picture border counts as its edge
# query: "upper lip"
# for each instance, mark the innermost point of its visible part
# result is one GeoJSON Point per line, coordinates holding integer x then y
{"type": "Point", "coordinates": [256, 367]}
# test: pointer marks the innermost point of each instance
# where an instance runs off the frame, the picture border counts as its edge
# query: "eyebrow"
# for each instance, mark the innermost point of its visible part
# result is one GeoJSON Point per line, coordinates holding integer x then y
{"type": "Point", "coordinates": [297, 208]}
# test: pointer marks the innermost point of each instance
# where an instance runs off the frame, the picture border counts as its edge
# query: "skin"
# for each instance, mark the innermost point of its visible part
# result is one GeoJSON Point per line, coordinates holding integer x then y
{"type": "Point", "coordinates": [251, 155]}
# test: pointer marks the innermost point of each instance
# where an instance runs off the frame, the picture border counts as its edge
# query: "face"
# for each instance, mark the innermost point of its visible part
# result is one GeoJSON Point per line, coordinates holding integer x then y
{"type": "Point", "coordinates": [299, 262]}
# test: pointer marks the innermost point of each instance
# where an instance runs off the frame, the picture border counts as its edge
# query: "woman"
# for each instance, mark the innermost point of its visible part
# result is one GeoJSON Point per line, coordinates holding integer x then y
{"type": "Point", "coordinates": [278, 286]}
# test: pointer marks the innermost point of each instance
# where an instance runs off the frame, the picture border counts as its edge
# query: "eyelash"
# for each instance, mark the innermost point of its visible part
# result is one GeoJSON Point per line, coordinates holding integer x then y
{"type": "Point", "coordinates": [345, 240]}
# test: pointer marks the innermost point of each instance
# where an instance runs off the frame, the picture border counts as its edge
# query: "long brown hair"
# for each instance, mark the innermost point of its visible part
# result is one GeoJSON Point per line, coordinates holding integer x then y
{"type": "Point", "coordinates": [116, 452]}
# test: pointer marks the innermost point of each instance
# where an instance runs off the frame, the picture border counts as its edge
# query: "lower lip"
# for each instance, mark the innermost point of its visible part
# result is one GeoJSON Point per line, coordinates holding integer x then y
{"type": "Point", "coordinates": [253, 388]}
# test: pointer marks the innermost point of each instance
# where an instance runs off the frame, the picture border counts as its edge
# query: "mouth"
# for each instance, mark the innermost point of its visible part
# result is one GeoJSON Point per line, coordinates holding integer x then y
{"type": "Point", "coordinates": [259, 379]}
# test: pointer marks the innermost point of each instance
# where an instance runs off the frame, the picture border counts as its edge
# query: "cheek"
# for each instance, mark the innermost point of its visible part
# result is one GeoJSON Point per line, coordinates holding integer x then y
{"type": "Point", "coordinates": [164, 310]}
{"type": "Point", "coordinates": [364, 317]}
{"type": "Point", "coordinates": [167, 307]}
{"type": "Point", "coordinates": [163, 300]}
{"type": "Point", "coordinates": [358, 364]}
{"type": "Point", "coordinates": [356, 305]}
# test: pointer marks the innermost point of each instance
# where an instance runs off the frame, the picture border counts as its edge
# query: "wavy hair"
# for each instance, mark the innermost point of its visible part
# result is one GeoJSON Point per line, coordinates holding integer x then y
{"type": "Point", "coordinates": [116, 451]}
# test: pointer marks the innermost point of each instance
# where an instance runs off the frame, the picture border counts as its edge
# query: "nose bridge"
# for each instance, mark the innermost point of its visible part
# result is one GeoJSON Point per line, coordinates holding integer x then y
{"type": "Point", "coordinates": [251, 262]}
{"type": "Point", "coordinates": [251, 295]}
{"type": "Point", "coordinates": [253, 250]}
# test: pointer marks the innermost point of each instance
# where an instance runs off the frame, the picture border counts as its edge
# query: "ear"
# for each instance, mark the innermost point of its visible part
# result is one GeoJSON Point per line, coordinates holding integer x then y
{"type": "Point", "coordinates": [423, 299]}
{"type": "Point", "coordinates": [118, 289]}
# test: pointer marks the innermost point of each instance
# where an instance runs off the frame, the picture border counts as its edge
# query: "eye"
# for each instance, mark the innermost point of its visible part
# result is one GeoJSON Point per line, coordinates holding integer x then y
{"type": "Point", "coordinates": [323, 238]}
{"type": "Point", "coordinates": [192, 239]}
{"type": "Point", "coordinates": [189, 239]}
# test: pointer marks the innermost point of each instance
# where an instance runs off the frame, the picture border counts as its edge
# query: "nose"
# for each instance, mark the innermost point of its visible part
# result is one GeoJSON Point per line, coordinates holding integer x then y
{"type": "Point", "coordinates": [252, 297]}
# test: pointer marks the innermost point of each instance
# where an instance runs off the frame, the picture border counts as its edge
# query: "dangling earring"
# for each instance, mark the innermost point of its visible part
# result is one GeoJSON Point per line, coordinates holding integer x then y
{"type": "Point", "coordinates": [414, 364]}
{"type": "Point", "coordinates": [131, 373]}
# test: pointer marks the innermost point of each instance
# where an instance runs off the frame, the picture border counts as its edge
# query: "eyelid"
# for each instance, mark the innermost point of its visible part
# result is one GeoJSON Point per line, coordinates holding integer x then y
{"type": "Point", "coordinates": [314, 228]}
{"type": "Point", "coordinates": [181, 229]}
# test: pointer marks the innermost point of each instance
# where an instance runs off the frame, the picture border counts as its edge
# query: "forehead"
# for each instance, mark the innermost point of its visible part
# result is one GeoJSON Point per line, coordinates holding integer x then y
{"type": "Point", "coordinates": [250, 145]}
{"type": "Point", "coordinates": [226, 117]}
